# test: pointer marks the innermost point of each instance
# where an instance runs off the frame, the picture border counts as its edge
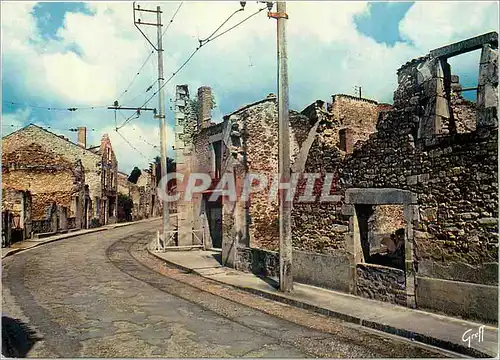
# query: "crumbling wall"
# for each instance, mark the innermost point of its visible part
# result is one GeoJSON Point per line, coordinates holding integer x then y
{"type": "Point", "coordinates": [49, 177]}
{"type": "Point", "coordinates": [320, 227]}
{"type": "Point", "coordinates": [257, 127]}
{"type": "Point", "coordinates": [204, 159]}
{"type": "Point", "coordinates": [455, 179]}
{"type": "Point", "coordinates": [50, 142]}
{"type": "Point", "coordinates": [358, 114]}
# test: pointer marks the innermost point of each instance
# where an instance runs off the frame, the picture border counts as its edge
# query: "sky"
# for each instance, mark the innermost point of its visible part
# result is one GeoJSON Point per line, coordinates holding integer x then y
{"type": "Point", "coordinates": [85, 55]}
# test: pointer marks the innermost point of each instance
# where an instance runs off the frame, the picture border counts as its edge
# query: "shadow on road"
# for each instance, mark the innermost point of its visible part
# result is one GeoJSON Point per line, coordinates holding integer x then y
{"type": "Point", "coordinates": [17, 338]}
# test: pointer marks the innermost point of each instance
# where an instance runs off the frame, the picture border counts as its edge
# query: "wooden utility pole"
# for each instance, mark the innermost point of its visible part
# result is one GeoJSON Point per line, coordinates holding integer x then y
{"type": "Point", "coordinates": [285, 204]}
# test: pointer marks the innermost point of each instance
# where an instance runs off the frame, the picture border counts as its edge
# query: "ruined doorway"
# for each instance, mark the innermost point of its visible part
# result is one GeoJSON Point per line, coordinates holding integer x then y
{"type": "Point", "coordinates": [213, 211]}
{"type": "Point", "coordinates": [382, 234]}
{"type": "Point", "coordinates": [390, 281]}
{"type": "Point", "coordinates": [86, 214]}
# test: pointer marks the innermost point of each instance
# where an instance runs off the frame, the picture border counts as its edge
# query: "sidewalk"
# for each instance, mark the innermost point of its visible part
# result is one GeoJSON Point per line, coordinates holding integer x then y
{"type": "Point", "coordinates": [437, 330]}
{"type": "Point", "coordinates": [29, 243]}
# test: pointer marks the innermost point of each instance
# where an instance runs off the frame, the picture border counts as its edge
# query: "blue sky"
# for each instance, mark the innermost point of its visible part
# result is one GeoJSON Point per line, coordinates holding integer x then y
{"type": "Point", "coordinates": [85, 54]}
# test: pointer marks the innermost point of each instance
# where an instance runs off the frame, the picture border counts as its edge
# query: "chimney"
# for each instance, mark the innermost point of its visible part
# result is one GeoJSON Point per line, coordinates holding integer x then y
{"type": "Point", "coordinates": [82, 137]}
{"type": "Point", "coordinates": [204, 106]}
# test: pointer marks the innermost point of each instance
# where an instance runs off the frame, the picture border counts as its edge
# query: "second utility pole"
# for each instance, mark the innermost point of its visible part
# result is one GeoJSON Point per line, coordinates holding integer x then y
{"type": "Point", "coordinates": [161, 105]}
{"type": "Point", "coordinates": [163, 125]}
{"type": "Point", "coordinates": [285, 204]}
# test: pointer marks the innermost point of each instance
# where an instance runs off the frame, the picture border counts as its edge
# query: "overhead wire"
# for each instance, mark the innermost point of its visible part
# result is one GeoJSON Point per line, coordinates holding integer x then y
{"type": "Point", "coordinates": [202, 43]}
{"type": "Point", "coordinates": [52, 108]}
{"type": "Point", "coordinates": [75, 108]}
{"type": "Point", "coordinates": [48, 127]}
{"type": "Point", "coordinates": [136, 75]}
{"type": "Point", "coordinates": [172, 19]}
{"type": "Point", "coordinates": [132, 146]}
{"type": "Point", "coordinates": [138, 135]}
{"type": "Point", "coordinates": [149, 56]}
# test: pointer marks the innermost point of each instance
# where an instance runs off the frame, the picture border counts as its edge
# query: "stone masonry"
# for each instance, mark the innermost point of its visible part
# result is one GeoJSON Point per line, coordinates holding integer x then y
{"type": "Point", "coordinates": [49, 178]}
{"type": "Point", "coordinates": [425, 168]}
{"type": "Point", "coordinates": [98, 163]}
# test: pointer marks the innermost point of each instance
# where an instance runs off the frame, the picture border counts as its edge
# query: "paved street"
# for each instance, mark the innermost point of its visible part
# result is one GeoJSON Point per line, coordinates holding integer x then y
{"type": "Point", "coordinates": [94, 296]}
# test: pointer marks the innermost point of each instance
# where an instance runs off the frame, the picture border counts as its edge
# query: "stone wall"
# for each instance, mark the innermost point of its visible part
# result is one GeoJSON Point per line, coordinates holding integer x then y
{"type": "Point", "coordinates": [93, 161]}
{"type": "Point", "coordinates": [479, 302]}
{"type": "Point", "coordinates": [258, 131]}
{"type": "Point", "coordinates": [456, 183]}
{"type": "Point", "coordinates": [123, 184]}
{"type": "Point", "coordinates": [320, 227]}
{"type": "Point", "coordinates": [204, 157]}
{"type": "Point", "coordinates": [358, 114]}
{"type": "Point", "coordinates": [18, 205]}
{"type": "Point", "coordinates": [258, 261]}
{"type": "Point", "coordinates": [58, 145]}
{"type": "Point", "coordinates": [381, 283]}
{"type": "Point", "coordinates": [49, 177]}
{"type": "Point", "coordinates": [330, 272]}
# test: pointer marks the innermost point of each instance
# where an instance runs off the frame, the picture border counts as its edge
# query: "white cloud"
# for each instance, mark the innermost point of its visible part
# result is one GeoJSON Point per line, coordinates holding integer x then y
{"type": "Point", "coordinates": [433, 24]}
{"type": "Point", "coordinates": [327, 55]}
{"type": "Point", "coordinates": [14, 121]}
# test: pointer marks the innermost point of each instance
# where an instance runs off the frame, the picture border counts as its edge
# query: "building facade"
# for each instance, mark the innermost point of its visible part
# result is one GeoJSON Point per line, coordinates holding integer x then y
{"type": "Point", "coordinates": [412, 212]}
{"type": "Point", "coordinates": [62, 177]}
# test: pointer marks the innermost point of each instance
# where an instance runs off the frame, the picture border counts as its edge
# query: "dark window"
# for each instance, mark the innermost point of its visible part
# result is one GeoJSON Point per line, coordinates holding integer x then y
{"type": "Point", "coordinates": [218, 158]}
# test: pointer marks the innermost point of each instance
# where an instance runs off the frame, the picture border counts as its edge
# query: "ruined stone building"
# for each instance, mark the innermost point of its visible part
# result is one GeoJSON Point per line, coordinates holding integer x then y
{"type": "Point", "coordinates": [71, 186]}
{"type": "Point", "coordinates": [143, 194]}
{"type": "Point", "coordinates": [413, 207]}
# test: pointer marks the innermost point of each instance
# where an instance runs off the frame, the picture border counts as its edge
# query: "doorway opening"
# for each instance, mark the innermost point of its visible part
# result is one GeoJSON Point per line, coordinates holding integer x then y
{"type": "Point", "coordinates": [213, 210]}
{"type": "Point", "coordinates": [382, 234]}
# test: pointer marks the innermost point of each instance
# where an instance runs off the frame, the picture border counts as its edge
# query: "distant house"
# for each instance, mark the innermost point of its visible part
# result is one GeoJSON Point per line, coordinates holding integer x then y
{"type": "Point", "coordinates": [143, 193]}
{"type": "Point", "coordinates": [62, 177]}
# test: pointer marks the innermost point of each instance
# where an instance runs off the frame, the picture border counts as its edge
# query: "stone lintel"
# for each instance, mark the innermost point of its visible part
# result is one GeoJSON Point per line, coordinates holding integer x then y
{"type": "Point", "coordinates": [386, 196]}
{"type": "Point", "coordinates": [216, 137]}
{"type": "Point", "coordinates": [465, 46]}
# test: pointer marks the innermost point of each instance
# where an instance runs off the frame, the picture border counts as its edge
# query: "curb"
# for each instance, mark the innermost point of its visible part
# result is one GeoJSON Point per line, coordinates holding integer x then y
{"type": "Point", "coordinates": [43, 242]}
{"type": "Point", "coordinates": [74, 234]}
{"type": "Point", "coordinates": [413, 336]}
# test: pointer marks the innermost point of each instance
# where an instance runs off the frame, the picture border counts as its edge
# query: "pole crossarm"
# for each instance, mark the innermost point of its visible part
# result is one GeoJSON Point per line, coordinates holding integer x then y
{"type": "Point", "coordinates": [277, 15]}
{"type": "Point", "coordinates": [131, 108]}
{"type": "Point", "coordinates": [144, 23]}
{"type": "Point", "coordinates": [139, 22]}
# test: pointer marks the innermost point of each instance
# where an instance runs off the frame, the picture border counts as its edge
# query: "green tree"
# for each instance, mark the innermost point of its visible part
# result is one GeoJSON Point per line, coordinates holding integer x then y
{"type": "Point", "coordinates": [134, 175]}
{"type": "Point", "coordinates": [195, 104]}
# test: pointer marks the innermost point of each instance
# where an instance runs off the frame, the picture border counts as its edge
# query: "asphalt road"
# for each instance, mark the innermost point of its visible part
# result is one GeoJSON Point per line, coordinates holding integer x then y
{"type": "Point", "coordinates": [102, 295]}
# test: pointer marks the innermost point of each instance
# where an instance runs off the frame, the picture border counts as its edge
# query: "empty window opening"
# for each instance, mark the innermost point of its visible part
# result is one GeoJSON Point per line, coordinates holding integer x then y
{"type": "Point", "coordinates": [462, 89]}
{"type": "Point", "coordinates": [382, 234]}
{"type": "Point", "coordinates": [218, 158]}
